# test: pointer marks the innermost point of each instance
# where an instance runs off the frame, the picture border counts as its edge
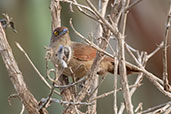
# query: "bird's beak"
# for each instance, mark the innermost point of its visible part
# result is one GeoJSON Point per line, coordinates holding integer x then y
{"type": "Point", "coordinates": [63, 32]}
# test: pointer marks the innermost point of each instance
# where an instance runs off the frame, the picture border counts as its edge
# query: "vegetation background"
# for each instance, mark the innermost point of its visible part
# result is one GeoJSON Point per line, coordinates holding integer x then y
{"type": "Point", "coordinates": [146, 25]}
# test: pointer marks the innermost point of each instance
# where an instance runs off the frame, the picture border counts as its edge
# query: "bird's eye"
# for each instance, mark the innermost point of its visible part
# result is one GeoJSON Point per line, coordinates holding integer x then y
{"type": "Point", "coordinates": [55, 33]}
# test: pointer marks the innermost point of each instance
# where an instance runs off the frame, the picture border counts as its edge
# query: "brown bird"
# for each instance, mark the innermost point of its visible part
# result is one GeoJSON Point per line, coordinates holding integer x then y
{"type": "Point", "coordinates": [77, 58]}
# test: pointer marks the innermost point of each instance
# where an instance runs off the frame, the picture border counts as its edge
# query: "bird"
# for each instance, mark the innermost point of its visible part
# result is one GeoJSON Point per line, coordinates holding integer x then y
{"type": "Point", "coordinates": [77, 58]}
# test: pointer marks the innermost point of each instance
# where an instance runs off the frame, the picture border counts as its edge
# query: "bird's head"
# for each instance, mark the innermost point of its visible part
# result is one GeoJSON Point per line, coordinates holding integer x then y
{"type": "Point", "coordinates": [60, 35]}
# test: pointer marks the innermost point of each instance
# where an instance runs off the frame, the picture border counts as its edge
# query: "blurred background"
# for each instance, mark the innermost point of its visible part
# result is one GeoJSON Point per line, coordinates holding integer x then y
{"type": "Point", "coordinates": [145, 30]}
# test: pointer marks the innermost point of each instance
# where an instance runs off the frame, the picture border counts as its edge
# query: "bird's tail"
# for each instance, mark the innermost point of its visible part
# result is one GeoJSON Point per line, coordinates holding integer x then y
{"type": "Point", "coordinates": [108, 65]}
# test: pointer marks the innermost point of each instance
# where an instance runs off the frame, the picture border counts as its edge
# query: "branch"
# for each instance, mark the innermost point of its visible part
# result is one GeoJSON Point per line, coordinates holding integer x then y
{"type": "Point", "coordinates": [165, 72]}
{"type": "Point", "coordinates": [102, 9]}
{"type": "Point", "coordinates": [115, 85]}
{"type": "Point", "coordinates": [136, 85]}
{"type": "Point", "coordinates": [55, 9]}
{"type": "Point", "coordinates": [122, 64]}
{"type": "Point", "coordinates": [65, 102]}
{"type": "Point", "coordinates": [16, 77]}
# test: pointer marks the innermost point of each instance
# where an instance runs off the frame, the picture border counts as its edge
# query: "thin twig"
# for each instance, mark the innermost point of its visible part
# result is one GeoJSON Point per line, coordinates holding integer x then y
{"type": "Point", "coordinates": [122, 65]}
{"type": "Point", "coordinates": [46, 103]}
{"type": "Point", "coordinates": [22, 110]}
{"type": "Point", "coordinates": [111, 92]}
{"type": "Point", "coordinates": [88, 41]}
{"type": "Point", "coordinates": [155, 51]}
{"type": "Point", "coordinates": [67, 102]}
{"type": "Point", "coordinates": [69, 85]}
{"type": "Point", "coordinates": [51, 100]}
{"type": "Point", "coordinates": [139, 108]}
{"type": "Point", "coordinates": [132, 55]}
{"type": "Point", "coordinates": [165, 61]}
{"type": "Point", "coordinates": [39, 74]}
{"type": "Point", "coordinates": [155, 107]}
{"type": "Point", "coordinates": [131, 48]}
{"type": "Point", "coordinates": [114, 30]}
{"type": "Point", "coordinates": [121, 110]}
{"type": "Point", "coordinates": [97, 86]}
{"type": "Point", "coordinates": [115, 85]}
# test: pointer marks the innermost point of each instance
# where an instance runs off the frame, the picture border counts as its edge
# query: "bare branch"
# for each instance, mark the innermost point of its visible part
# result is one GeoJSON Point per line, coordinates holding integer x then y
{"type": "Point", "coordinates": [16, 76]}
{"type": "Point", "coordinates": [167, 87]}
{"type": "Point", "coordinates": [139, 108]}
{"type": "Point", "coordinates": [111, 92]}
{"type": "Point", "coordinates": [155, 51]}
{"type": "Point", "coordinates": [115, 85]}
{"type": "Point", "coordinates": [122, 65]}
{"type": "Point", "coordinates": [65, 102]}
{"type": "Point", "coordinates": [69, 85]}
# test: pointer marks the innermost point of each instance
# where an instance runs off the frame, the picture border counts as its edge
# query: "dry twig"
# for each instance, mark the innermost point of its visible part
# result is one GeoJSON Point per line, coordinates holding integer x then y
{"type": "Point", "coordinates": [122, 65]}
{"type": "Point", "coordinates": [166, 85]}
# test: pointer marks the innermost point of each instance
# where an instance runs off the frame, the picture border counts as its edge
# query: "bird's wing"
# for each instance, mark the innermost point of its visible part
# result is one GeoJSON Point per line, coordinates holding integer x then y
{"type": "Point", "coordinates": [83, 52]}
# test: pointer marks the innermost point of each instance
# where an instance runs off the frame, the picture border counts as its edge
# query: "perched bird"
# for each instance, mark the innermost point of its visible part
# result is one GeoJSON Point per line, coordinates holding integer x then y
{"type": "Point", "coordinates": [77, 58]}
